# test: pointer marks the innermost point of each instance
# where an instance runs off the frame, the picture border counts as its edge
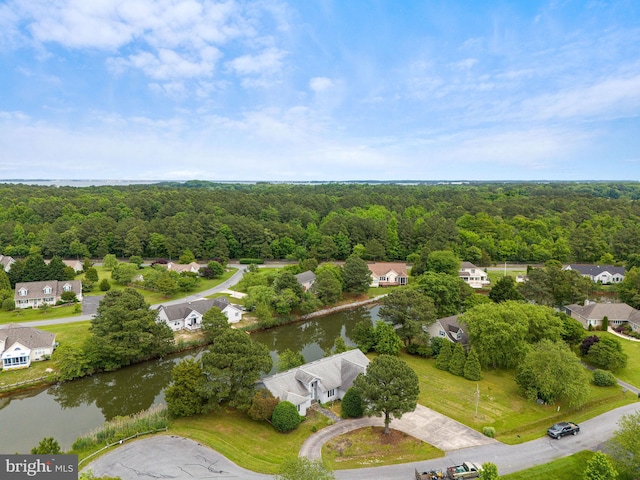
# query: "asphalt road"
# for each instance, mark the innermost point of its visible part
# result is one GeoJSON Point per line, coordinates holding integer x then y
{"type": "Point", "coordinates": [90, 303]}
{"type": "Point", "coordinates": [181, 459]}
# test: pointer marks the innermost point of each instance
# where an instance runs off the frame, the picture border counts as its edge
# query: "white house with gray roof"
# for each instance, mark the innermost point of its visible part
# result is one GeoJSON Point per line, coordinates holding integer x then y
{"type": "Point", "coordinates": [323, 380]}
{"type": "Point", "coordinates": [6, 262]}
{"type": "Point", "coordinates": [19, 346]}
{"type": "Point", "coordinates": [600, 273]}
{"type": "Point", "coordinates": [306, 279]}
{"type": "Point", "coordinates": [35, 294]}
{"type": "Point", "coordinates": [188, 315]}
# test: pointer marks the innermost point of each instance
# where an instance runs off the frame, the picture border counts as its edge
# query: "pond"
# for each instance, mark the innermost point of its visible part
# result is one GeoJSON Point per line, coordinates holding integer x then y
{"type": "Point", "coordinates": [72, 409]}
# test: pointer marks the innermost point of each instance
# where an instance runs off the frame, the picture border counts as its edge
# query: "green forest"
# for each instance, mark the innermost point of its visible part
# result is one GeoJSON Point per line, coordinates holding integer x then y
{"type": "Point", "coordinates": [483, 223]}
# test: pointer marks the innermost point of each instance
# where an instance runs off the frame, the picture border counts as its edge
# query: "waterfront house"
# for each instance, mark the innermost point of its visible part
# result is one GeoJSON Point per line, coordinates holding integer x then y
{"type": "Point", "coordinates": [19, 346]}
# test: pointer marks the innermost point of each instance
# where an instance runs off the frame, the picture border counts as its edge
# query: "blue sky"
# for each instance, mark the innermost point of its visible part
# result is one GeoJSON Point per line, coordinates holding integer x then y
{"type": "Point", "coordinates": [320, 90]}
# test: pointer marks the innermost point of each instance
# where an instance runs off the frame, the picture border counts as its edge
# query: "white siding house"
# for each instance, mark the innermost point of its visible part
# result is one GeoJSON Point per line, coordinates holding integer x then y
{"type": "Point", "coordinates": [323, 380]}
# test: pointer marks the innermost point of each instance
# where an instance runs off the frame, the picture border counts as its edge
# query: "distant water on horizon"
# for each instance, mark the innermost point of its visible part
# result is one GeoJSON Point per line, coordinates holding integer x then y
{"type": "Point", "coordinates": [78, 183]}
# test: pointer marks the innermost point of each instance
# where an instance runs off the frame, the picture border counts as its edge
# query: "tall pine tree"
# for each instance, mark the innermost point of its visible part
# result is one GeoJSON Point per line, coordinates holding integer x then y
{"type": "Point", "coordinates": [446, 352]}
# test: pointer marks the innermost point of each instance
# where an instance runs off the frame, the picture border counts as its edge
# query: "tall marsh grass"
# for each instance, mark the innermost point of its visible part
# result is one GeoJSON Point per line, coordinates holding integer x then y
{"type": "Point", "coordinates": [156, 418]}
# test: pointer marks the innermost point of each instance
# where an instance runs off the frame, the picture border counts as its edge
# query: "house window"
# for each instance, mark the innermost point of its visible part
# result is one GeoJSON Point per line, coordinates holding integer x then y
{"type": "Point", "coordinates": [298, 407]}
{"type": "Point", "coordinates": [383, 278]}
{"type": "Point", "coordinates": [48, 299]}
{"type": "Point", "coordinates": [331, 393]}
{"type": "Point", "coordinates": [67, 288]}
{"type": "Point", "coordinates": [47, 290]}
{"type": "Point", "coordinates": [442, 333]}
{"type": "Point", "coordinates": [22, 292]}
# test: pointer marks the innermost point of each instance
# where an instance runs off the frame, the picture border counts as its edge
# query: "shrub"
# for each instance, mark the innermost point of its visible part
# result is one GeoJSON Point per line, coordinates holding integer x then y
{"type": "Point", "coordinates": [8, 305]}
{"type": "Point", "coordinates": [263, 405]}
{"type": "Point", "coordinates": [587, 343]}
{"type": "Point", "coordinates": [352, 404]}
{"type": "Point", "coordinates": [604, 378]}
{"type": "Point", "coordinates": [68, 297]}
{"type": "Point", "coordinates": [436, 344]}
{"type": "Point", "coordinates": [249, 261]}
{"type": "Point", "coordinates": [104, 286]}
{"type": "Point", "coordinates": [285, 417]}
{"type": "Point", "coordinates": [489, 432]}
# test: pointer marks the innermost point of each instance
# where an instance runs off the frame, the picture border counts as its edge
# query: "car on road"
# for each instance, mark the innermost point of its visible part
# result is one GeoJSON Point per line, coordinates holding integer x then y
{"type": "Point", "coordinates": [562, 429]}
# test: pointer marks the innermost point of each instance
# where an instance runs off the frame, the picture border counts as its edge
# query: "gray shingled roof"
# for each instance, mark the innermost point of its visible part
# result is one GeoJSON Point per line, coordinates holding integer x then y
{"type": "Point", "coordinates": [613, 311]}
{"type": "Point", "coordinates": [27, 336]}
{"type": "Point", "coordinates": [335, 371]}
{"type": "Point", "coordinates": [305, 277]}
{"type": "Point", "coordinates": [36, 289]}
{"type": "Point", "coordinates": [595, 270]}
{"type": "Point", "coordinates": [180, 311]}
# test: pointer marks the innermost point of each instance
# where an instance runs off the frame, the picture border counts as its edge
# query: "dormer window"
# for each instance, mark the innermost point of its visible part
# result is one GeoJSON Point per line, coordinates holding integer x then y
{"type": "Point", "coordinates": [47, 289]}
{"type": "Point", "coordinates": [66, 288]}
{"type": "Point", "coordinates": [22, 292]}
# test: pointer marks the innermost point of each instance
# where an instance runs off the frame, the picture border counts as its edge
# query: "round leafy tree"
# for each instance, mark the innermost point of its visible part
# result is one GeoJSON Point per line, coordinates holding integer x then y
{"type": "Point", "coordinates": [285, 417]}
{"type": "Point", "coordinates": [352, 404]}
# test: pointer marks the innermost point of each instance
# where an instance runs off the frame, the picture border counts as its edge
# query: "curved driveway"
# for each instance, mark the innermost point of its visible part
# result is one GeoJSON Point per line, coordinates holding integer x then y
{"type": "Point", "coordinates": [182, 459]}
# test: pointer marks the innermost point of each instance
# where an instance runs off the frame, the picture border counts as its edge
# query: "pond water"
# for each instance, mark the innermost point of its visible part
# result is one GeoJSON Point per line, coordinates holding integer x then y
{"type": "Point", "coordinates": [72, 409]}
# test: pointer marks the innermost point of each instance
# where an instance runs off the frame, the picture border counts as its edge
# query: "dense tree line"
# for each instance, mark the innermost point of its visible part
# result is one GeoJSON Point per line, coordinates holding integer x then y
{"type": "Point", "coordinates": [481, 223]}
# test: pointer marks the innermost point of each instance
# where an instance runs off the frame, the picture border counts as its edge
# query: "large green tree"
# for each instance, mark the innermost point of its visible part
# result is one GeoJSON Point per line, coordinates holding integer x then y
{"type": "Point", "coordinates": [607, 354]}
{"type": "Point", "coordinates": [624, 447]}
{"type": "Point", "coordinates": [599, 467]}
{"type": "Point", "coordinates": [125, 331]}
{"type": "Point", "coordinates": [186, 395]}
{"type": "Point", "coordinates": [214, 323]}
{"type": "Point", "coordinates": [389, 388]}
{"type": "Point", "coordinates": [327, 285]}
{"type": "Point", "coordinates": [409, 310]}
{"type": "Point", "coordinates": [232, 365]}
{"type": "Point", "coordinates": [443, 261]}
{"type": "Point", "coordinates": [444, 290]}
{"type": "Point", "coordinates": [505, 289]}
{"type": "Point", "coordinates": [501, 332]}
{"type": "Point", "coordinates": [356, 275]}
{"type": "Point", "coordinates": [47, 446]}
{"type": "Point", "coordinates": [551, 371]}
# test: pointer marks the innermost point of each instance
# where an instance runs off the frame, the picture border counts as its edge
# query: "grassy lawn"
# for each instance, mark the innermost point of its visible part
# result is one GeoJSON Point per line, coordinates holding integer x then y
{"type": "Point", "coordinates": [500, 404]}
{"type": "Point", "coordinates": [20, 315]}
{"type": "Point", "coordinates": [631, 373]}
{"type": "Point", "coordinates": [496, 273]}
{"type": "Point", "coordinates": [368, 447]}
{"type": "Point", "coordinates": [253, 445]}
{"type": "Point", "coordinates": [567, 468]}
{"type": "Point", "coordinates": [153, 298]}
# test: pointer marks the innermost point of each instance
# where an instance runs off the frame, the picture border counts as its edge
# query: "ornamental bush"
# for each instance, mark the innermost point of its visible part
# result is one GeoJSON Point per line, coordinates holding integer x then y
{"type": "Point", "coordinates": [285, 417]}
{"type": "Point", "coordinates": [604, 378]}
{"type": "Point", "coordinates": [489, 432]}
{"type": "Point", "coordinates": [352, 404]}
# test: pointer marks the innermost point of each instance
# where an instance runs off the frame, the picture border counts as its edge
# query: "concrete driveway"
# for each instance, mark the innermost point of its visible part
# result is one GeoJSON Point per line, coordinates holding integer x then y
{"type": "Point", "coordinates": [423, 423]}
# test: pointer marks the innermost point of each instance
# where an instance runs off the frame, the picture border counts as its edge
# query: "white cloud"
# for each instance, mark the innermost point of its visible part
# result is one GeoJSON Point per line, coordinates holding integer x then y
{"type": "Point", "coordinates": [614, 97]}
{"type": "Point", "coordinates": [265, 63]}
{"type": "Point", "coordinates": [320, 84]}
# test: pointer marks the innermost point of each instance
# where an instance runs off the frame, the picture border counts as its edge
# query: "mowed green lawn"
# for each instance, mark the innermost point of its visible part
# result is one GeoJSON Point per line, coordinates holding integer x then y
{"type": "Point", "coordinates": [253, 445]}
{"type": "Point", "coordinates": [499, 403]}
{"type": "Point", "coordinates": [20, 315]}
{"type": "Point", "coordinates": [567, 468]}
{"type": "Point", "coordinates": [631, 373]}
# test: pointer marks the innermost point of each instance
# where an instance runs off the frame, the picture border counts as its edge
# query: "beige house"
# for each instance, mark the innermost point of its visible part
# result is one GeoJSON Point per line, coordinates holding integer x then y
{"type": "Point", "coordinates": [34, 294]}
{"type": "Point", "coordinates": [387, 274]}
{"type": "Point", "coordinates": [192, 267]}
{"type": "Point", "coordinates": [19, 346]}
{"type": "Point", "coordinates": [449, 328]}
{"type": "Point", "coordinates": [591, 314]}
{"type": "Point", "coordinates": [306, 279]}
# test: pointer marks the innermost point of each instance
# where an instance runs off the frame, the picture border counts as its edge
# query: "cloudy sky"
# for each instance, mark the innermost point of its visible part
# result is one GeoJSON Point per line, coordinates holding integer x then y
{"type": "Point", "coordinates": [320, 90]}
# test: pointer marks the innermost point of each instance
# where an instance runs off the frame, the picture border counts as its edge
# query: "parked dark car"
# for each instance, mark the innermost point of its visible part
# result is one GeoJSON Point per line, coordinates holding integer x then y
{"type": "Point", "coordinates": [563, 428]}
